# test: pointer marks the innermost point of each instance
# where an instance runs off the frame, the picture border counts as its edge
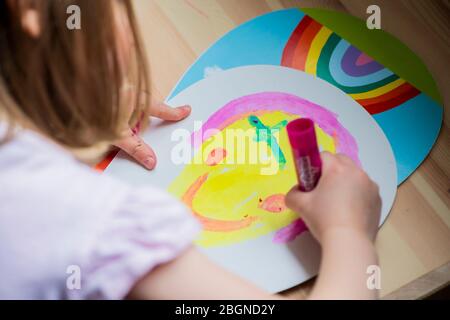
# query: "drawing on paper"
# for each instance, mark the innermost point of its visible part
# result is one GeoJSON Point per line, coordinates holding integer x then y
{"type": "Point", "coordinates": [242, 167]}
{"type": "Point", "coordinates": [317, 50]}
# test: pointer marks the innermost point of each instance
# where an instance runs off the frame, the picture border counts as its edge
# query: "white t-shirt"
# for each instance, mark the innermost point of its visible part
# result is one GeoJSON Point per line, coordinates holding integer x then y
{"type": "Point", "coordinates": [68, 232]}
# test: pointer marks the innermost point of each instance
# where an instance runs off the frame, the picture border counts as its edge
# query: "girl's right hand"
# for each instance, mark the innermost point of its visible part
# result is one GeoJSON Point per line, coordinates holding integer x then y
{"type": "Point", "coordinates": [344, 199]}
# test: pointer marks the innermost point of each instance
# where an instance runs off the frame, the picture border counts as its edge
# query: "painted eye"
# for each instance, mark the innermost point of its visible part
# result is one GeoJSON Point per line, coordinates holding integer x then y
{"type": "Point", "coordinates": [216, 156]}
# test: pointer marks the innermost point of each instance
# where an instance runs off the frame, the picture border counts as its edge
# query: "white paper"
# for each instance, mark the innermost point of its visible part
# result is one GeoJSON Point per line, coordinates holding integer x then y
{"type": "Point", "coordinates": [274, 267]}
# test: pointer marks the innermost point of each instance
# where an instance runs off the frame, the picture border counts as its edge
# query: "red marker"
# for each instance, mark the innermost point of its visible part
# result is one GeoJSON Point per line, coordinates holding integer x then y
{"type": "Point", "coordinates": [305, 150]}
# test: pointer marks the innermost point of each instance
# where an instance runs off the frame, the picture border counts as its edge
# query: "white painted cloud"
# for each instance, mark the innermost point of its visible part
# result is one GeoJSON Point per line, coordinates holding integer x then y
{"type": "Point", "coordinates": [209, 71]}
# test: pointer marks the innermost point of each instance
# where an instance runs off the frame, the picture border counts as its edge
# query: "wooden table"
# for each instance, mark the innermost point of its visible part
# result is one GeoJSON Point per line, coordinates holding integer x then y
{"type": "Point", "coordinates": [415, 240]}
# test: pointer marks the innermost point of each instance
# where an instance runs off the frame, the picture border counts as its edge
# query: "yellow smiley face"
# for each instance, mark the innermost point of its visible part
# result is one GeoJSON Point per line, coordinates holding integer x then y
{"type": "Point", "coordinates": [237, 180]}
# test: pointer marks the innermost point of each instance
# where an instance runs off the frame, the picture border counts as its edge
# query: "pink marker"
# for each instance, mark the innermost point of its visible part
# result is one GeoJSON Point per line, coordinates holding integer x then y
{"type": "Point", "coordinates": [305, 150]}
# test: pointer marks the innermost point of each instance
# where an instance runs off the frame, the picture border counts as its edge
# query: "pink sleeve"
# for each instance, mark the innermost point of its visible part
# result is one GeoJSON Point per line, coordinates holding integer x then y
{"type": "Point", "coordinates": [147, 228]}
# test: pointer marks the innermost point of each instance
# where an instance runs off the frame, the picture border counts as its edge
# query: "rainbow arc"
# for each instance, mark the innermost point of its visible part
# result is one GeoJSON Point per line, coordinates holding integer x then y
{"type": "Point", "coordinates": [316, 50]}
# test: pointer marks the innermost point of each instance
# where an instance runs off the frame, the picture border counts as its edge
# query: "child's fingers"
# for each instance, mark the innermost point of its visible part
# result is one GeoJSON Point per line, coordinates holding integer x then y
{"type": "Point", "coordinates": [330, 160]}
{"type": "Point", "coordinates": [138, 149]}
{"type": "Point", "coordinates": [327, 160]}
{"type": "Point", "coordinates": [345, 159]}
{"type": "Point", "coordinates": [297, 200]}
{"type": "Point", "coordinates": [167, 113]}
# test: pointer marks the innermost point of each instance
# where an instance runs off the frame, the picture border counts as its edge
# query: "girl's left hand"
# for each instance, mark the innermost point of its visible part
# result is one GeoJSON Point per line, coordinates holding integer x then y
{"type": "Point", "coordinates": [136, 147]}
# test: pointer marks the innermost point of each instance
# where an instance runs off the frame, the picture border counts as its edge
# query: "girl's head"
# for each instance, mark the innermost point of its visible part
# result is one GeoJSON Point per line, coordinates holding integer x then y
{"type": "Point", "coordinates": [71, 85]}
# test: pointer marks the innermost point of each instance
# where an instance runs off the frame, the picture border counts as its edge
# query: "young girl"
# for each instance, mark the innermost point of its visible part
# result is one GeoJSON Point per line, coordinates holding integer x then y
{"type": "Point", "coordinates": [64, 91]}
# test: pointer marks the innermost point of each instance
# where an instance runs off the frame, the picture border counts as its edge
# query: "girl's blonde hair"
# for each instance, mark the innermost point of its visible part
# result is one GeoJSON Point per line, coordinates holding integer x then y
{"type": "Point", "coordinates": [68, 83]}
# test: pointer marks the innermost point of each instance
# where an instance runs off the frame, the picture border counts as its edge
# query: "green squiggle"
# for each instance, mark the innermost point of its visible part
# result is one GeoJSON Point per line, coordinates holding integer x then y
{"type": "Point", "coordinates": [266, 134]}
